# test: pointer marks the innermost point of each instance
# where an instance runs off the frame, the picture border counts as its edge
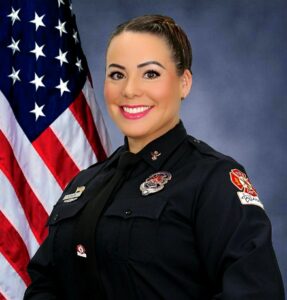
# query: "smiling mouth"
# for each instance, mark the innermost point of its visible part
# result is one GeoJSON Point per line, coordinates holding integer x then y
{"type": "Point", "coordinates": [135, 112]}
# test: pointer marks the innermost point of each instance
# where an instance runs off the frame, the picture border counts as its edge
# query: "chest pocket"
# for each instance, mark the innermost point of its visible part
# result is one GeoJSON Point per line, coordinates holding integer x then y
{"type": "Point", "coordinates": [64, 211]}
{"type": "Point", "coordinates": [129, 228]}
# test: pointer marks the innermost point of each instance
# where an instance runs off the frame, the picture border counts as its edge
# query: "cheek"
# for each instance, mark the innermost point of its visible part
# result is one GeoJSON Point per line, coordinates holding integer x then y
{"type": "Point", "coordinates": [166, 92]}
{"type": "Point", "coordinates": [109, 92]}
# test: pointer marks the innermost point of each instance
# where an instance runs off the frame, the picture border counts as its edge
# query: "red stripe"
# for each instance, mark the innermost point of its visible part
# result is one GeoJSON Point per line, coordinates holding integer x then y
{"type": "Point", "coordinates": [56, 157]}
{"type": "Point", "coordinates": [33, 209]}
{"type": "Point", "coordinates": [2, 297]}
{"type": "Point", "coordinates": [13, 248]}
{"type": "Point", "coordinates": [83, 115]}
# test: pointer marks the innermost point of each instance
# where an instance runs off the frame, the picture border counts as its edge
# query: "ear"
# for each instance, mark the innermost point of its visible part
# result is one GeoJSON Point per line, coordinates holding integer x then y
{"type": "Point", "coordinates": [186, 83]}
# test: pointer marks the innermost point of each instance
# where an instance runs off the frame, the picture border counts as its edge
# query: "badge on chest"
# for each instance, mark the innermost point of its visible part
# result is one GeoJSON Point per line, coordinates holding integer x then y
{"type": "Point", "coordinates": [155, 183]}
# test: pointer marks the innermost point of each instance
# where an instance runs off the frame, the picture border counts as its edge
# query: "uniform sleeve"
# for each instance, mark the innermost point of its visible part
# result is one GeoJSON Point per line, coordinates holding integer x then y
{"type": "Point", "coordinates": [234, 237]}
{"type": "Point", "coordinates": [40, 269]}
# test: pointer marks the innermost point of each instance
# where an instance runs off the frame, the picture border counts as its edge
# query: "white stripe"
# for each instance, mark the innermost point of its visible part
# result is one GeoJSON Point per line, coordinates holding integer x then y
{"type": "Point", "coordinates": [12, 286]}
{"type": "Point", "coordinates": [13, 211]}
{"type": "Point", "coordinates": [73, 139]}
{"type": "Point", "coordinates": [89, 94]}
{"type": "Point", "coordinates": [37, 174]}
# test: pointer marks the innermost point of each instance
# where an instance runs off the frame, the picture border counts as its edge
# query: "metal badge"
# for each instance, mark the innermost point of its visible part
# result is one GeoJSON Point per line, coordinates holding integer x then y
{"type": "Point", "coordinates": [74, 196]}
{"type": "Point", "coordinates": [155, 154]}
{"type": "Point", "coordinates": [81, 251]}
{"type": "Point", "coordinates": [155, 183]}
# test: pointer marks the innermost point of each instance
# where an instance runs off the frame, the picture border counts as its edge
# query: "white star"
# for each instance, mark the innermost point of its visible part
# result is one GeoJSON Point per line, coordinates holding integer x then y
{"type": "Point", "coordinates": [14, 75]}
{"type": "Point", "coordinates": [38, 21]}
{"type": "Point", "coordinates": [60, 2]}
{"type": "Point", "coordinates": [38, 51]}
{"type": "Point", "coordinates": [75, 36]}
{"type": "Point", "coordinates": [61, 27]}
{"type": "Point", "coordinates": [38, 111]}
{"type": "Point", "coordinates": [79, 64]}
{"type": "Point", "coordinates": [62, 57]}
{"type": "Point", "coordinates": [14, 15]}
{"type": "Point", "coordinates": [63, 86]}
{"type": "Point", "coordinates": [14, 46]}
{"type": "Point", "coordinates": [38, 81]}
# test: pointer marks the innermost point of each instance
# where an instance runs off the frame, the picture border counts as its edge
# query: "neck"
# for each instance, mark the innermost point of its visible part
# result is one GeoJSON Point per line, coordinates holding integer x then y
{"type": "Point", "coordinates": [137, 144]}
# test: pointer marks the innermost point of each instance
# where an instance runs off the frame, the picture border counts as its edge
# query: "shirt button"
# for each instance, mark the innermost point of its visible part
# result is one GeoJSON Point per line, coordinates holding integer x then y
{"type": "Point", "coordinates": [56, 217]}
{"type": "Point", "coordinates": [128, 212]}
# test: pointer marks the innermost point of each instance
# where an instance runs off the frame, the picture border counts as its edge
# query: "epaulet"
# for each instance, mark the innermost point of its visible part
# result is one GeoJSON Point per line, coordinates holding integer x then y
{"type": "Point", "coordinates": [207, 150]}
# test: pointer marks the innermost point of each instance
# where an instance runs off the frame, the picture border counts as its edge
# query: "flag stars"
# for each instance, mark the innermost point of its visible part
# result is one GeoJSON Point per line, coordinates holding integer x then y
{"type": "Point", "coordinates": [15, 75]}
{"type": "Point", "coordinates": [63, 86]}
{"type": "Point", "coordinates": [38, 21]}
{"type": "Point", "coordinates": [14, 46]}
{"type": "Point", "coordinates": [79, 64]}
{"type": "Point", "coordinates": [61, 27]}
{"type": "Point", "coordinates": [60, 2]}
{"type": "Point", "coordinates": [14, 15]}
{"type": "Point", "coordinates": [75, 36]}
{"type": "Point", "coordinates": [38, 111]}
{"type": "Point", "coordinates": [62, 57]}
{"type": "Point", "coordinates": [38, 81]}
{"type": "Point", "coordinates": [38, 51]}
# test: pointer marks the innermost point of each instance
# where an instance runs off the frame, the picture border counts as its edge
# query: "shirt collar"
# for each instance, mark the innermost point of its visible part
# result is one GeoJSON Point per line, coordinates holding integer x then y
{"type": "Point", "coordinates": [160, 149]}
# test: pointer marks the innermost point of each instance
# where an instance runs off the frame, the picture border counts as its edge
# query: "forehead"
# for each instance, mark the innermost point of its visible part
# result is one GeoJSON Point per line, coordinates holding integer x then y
{"type": "Point", "coordinates": [138, 46]}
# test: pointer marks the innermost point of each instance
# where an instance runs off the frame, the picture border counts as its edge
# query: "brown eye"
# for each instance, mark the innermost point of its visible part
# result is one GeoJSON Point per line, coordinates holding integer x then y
{"type": "Point", "coordinates": [116, 75]}
{"type": "Point", "coordinates": [151, 74]}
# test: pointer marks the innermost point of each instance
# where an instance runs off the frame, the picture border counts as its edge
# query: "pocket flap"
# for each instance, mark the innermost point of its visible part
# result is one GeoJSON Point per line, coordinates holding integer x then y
{"type": "Point", "coordinates": [64, 211]}
{"type": "Point", "coordinates": [144, 207]}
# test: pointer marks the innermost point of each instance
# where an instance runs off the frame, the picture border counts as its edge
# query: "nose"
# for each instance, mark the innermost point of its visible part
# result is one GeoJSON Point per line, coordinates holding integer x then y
{"type": "Point", "coordinates": [132, 88]}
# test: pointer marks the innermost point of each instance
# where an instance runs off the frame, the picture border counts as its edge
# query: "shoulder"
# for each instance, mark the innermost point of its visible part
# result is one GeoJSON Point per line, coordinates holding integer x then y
{"type": "Point", "coordinates": [209, 161]}
{"type": "Point", "coordinates": [222, 177]}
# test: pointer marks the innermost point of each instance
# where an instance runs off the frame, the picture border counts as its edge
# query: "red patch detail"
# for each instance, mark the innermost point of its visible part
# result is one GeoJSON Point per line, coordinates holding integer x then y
{"type": "Point", "coordinates": [241, 181]}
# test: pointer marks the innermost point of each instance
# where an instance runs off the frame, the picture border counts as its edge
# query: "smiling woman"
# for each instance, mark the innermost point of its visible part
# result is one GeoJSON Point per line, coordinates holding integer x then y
{"type": "Point", "coordinates": [143, 90]}
{"type": "Point", "coordinates": [165, 216]}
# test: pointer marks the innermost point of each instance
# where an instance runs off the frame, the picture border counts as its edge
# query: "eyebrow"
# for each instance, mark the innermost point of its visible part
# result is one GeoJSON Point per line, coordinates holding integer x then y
{"type": "Point", "coordinates": [152, 62]}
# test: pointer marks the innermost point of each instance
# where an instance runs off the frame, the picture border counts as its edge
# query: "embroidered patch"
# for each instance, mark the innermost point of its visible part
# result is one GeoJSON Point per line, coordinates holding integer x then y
{"type": "Point", "coordinates": [248, 194]}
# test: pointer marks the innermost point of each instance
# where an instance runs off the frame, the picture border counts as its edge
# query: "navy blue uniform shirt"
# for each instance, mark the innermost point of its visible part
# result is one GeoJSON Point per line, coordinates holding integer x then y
{"type": "Point", "coordinates": [185, 224]}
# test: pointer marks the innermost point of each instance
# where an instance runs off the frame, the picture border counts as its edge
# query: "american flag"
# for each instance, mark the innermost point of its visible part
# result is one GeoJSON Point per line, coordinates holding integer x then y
{"type": "Point", "coordinates": [50, 126]}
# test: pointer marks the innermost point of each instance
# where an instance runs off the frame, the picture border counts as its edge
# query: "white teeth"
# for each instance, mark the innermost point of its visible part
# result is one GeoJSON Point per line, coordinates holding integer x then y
{"type": "Point", "coordinates": [135, 110]}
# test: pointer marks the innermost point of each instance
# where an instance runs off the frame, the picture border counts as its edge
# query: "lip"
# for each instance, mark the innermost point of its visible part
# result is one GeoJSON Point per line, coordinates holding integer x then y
{"type": "Point", "coordinates": [135, 112]}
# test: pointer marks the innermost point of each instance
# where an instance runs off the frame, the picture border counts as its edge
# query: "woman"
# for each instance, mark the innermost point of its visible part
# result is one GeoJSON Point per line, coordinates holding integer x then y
{"type": "Point", "coordinates": [166, 216]}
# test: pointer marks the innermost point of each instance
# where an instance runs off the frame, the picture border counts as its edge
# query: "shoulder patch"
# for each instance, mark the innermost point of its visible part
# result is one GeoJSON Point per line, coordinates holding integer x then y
{"type": "Point", "coordinates": [247, 195]}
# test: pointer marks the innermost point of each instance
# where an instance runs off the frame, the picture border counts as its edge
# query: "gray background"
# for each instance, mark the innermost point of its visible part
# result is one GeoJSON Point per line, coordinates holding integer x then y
{"type": "Point", "coordinates": [238, 102]}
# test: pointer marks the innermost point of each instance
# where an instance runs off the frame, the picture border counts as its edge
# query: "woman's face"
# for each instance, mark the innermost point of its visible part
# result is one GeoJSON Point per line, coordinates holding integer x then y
{"type": "Point", "coordinates": [142, 89]}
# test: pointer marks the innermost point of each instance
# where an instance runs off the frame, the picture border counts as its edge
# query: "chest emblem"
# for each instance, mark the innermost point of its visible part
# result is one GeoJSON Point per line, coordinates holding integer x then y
{"type": "Point", "coordinates": [74, 196]}
{"type": "Point", "coordinates": [155, 183]}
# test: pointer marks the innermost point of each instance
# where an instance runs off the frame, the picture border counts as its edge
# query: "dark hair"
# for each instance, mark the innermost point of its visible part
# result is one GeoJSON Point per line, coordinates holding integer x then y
{"type": "Point", "coordinates": [166, 28]}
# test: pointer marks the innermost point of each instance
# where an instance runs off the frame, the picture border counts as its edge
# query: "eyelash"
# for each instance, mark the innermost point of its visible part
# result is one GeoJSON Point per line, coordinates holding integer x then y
{"type": "Point", "coordinates": [151, 72]}
{"type": "Point", "coordinates": [114, 75]}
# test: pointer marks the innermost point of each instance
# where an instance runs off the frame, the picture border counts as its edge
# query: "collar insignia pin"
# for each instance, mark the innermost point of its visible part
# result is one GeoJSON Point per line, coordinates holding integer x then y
{"type": "Point", "coordinates": [155, 155]}
{"type": "Point", "coordinates": [155, 183]}
{"type": "Point", "coordinates": [74, 196]}
{"type": "Point", "coordinates": [81, 251]}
